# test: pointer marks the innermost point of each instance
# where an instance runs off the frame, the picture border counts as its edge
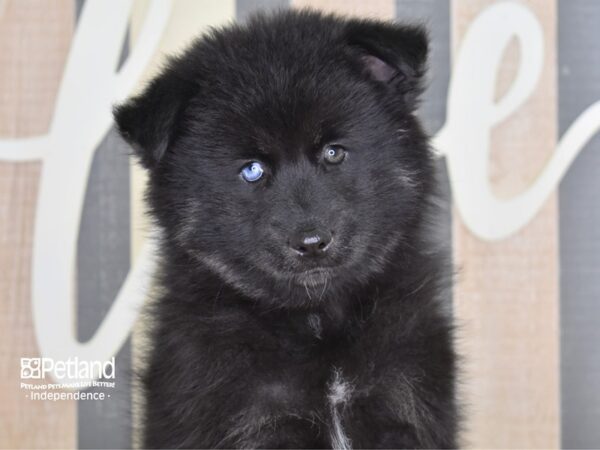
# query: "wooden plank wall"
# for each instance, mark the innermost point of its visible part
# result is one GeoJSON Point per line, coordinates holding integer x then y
{"type": "Point", "coordinates": [34, 42]}
{"type": "Point", "coordinates": [506, 299]}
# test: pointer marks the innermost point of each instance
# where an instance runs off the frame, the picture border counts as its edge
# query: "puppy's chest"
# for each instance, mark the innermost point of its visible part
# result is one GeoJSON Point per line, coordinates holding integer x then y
{"type": "Point", "coordinates": [319, 370]}
{"type": "Point", "coordinates": [313, 350]}
{"type": "Point", "coordinates": [314, 336]}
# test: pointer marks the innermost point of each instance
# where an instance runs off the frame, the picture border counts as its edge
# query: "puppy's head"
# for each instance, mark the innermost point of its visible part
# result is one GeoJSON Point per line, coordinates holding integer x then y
{"type": "Point", "coordinates": [284, 154]}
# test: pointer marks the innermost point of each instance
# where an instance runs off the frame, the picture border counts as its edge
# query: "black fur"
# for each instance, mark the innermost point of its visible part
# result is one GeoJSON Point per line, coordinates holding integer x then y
{"type": "Point", "coordinates": [254, 344]}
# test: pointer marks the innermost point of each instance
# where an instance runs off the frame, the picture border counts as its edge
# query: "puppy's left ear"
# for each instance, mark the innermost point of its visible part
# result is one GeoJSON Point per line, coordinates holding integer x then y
{"type": "Point", "coordinates": [148, 122]}
{"type": "Point", "coordinates": [392, 55]}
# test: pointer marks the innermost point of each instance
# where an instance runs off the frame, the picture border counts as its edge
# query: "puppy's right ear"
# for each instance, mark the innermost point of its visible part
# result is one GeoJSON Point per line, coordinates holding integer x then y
{"type": "Point", "coordinates": [394, 56]}
{"type": "Point", "coordinates": [148, 121]}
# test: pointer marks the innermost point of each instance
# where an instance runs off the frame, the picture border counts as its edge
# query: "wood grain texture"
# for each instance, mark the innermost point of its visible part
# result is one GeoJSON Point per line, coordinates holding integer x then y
{"type": "Point", "coordinates": [34, 42]}
{"type": "Point", "coordinates": [382, 9]}
{"type": "Point", "coordinates": [506, 299]}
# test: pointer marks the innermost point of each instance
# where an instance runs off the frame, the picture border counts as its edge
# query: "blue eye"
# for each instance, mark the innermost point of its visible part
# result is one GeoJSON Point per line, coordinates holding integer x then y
{"type": "Point", "coordinates": [252, 172]}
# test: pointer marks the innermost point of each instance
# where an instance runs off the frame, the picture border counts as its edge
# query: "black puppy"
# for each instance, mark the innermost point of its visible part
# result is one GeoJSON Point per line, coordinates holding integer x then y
{"type": "Point", "coordinates": [301, 290]}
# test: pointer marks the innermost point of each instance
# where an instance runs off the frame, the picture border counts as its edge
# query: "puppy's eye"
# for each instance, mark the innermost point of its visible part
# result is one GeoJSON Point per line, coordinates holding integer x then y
{"type": "Point", "coordinates": [252, 172]}
{"type": "Point", "coordinates": [334, 154]}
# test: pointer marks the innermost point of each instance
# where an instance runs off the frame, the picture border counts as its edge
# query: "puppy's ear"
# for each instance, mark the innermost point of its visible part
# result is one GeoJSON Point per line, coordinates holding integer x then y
{"type": "Point", "coordinates": [148, 121]}
{"type": "Point", "coordinates": [392, 55]}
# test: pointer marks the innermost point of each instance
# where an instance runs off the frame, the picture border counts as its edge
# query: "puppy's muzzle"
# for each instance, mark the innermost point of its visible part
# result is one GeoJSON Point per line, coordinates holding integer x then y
{"type": "Point", "coordinates": [311, 243]}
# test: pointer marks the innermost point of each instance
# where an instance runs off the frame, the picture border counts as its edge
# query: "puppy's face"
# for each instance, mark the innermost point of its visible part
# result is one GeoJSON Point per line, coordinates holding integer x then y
{"type": "Point", "coordinates": [284, 155]}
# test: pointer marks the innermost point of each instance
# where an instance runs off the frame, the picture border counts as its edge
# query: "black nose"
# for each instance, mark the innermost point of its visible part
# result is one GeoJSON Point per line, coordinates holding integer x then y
{"type": "Point", "coordinates": [313, 242]}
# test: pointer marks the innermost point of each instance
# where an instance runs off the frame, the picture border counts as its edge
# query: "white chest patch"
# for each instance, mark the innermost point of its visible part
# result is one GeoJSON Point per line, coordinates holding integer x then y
{"type": "Point", "coordinates": [339, 393]}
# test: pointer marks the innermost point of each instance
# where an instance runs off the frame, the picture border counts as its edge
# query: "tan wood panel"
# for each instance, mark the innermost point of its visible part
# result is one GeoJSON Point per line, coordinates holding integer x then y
{"type": "Point", "coordinates": [34, 41]}
{"type": "Point", "coordinates": [383, 9]}
{"type": "Point", "coordinates": [507, 295]}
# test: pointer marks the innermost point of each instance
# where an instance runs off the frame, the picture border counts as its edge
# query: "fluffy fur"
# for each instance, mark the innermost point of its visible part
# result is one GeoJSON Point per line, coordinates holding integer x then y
{"type": "Point", "coordinates": [254, 344]}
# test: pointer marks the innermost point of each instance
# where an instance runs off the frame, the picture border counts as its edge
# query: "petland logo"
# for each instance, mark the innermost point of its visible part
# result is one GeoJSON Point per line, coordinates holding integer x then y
{"type": "Point", "coordinates": [72, 368]}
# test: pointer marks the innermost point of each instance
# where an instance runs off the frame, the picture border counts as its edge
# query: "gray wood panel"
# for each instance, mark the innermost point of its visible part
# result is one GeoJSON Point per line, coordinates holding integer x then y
{"type": "Point", "coordinates": [579, 201]}
{"type": "Point", "coordinates": [102, 264]}
{"type": "Point", "coordinates": [243, 8]}
{"type": "Point", "coordinates": [103, 260]}
{"type": "Point", "coordinates": [435, 15]}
